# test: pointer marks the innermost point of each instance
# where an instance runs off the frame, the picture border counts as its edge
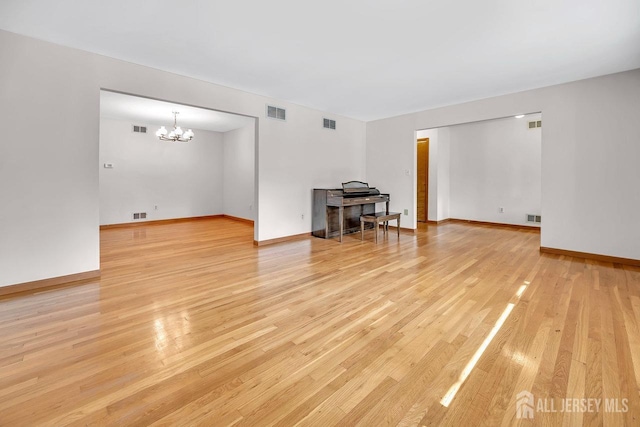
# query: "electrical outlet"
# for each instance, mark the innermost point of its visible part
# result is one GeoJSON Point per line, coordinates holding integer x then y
{"type": "Point", "coordinates": [155, 207]}
{"type": "Point", "coordinates": [501, 210]}
{"type": "Point", "coordinates": [108, 165]}
{"type": "Point", "coordinates": [406, 211]}
{"type": "Point", "coordinates": [301, 216]}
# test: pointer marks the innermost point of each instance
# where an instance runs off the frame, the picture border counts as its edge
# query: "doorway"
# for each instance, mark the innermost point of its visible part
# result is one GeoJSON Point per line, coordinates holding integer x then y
{"type": "Point", "coordinates": [422, 175]}
{"type": "Point", "coordinates": [146, 178]}
{"type": "Point", "coordinates": [486, 171]}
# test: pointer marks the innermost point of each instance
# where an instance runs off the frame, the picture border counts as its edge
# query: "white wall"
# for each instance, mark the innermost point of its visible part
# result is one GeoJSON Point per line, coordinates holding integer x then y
{"type": "Point", "coordinates": [239, 154]}
{"type": "Point", "coordinates": [590, 152]}
{"type": "Point", "coordinates": [444, 176]}
{"type": "Point", "coordinates": [495, 164]}
{"type": "Point", "coordinates": [182, 180]}
{"type": "Point", "coordinates": [49, 211]}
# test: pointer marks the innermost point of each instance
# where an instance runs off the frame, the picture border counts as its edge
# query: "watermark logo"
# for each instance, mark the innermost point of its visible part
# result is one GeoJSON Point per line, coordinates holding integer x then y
{"type": "Point", "coordinates": [524, 405]}
{"type": "Point", "coordinates": [527, 405]}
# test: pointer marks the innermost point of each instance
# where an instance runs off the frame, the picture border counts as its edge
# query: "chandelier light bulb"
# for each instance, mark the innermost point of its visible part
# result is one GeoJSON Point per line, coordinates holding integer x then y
{"type": "Point", "coordinates": [161, 132]}
{"type": "Point", "coordinates": [178, 131]}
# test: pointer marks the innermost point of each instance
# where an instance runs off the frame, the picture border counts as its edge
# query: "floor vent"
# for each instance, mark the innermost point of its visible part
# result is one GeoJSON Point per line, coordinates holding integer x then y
{"type": "Point", "coordinates": [534, 218]}
{"type": "Point", "coordinates": [139, 129]}
{"type": "Point", "coordinates": [140, 215]}
{"type": "Point", "coordinates": [329, 124]}
{"type": "Point", "coordinates": [276, 113]}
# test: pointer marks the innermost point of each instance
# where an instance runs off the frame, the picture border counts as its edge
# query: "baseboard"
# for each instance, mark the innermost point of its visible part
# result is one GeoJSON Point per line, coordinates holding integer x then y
{"type": "Point", "coordinates": [46, 283]}
{"type": "Point", "coordinates": [587, 255]}
{"type": "Point", "coordinates": [496, 224]}
{"type": "Point", "coordinates": [403, 230]}
{"type": "Point", "coordinates": [442, 221]}
{"type": "Point", "coordinates": [158, 221]}
{"type": "Point", "coordinates": [237, 218]}
{"type": "Point", "coordinates": [281, 239]}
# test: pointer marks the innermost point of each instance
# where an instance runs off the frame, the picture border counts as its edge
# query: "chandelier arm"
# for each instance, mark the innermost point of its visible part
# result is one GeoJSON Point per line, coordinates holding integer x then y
{"type": "Point", "coordinates": [180, 139]}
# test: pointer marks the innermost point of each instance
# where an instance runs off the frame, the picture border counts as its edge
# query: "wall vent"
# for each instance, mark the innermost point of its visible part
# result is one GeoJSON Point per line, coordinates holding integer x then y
{"type": "Point", "coordinates": [535, 124]}
{"type": "Point", "coordinates": [139, 129]}
{"type": "Point", "coordinates": [140, 215]}
{"type": "Point", "coordinates": [534, 218]}
{"type": "Point", "coordinates": [329, 124]}
{"type": "Point", "coordinates": [276, 113]}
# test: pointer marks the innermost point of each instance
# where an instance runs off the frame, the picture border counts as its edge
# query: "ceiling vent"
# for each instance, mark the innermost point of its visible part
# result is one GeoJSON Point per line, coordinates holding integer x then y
{"type": "Point", "coordinates": [535, 124]}
{"type": "Point", "coordinates": [276, 113]}
{"type": "Point", "coordinates": [329, 124]}
{"type": "Point", "coordinates": [534, 218]}
{"type": "Point", "coordinates": [139, 129]}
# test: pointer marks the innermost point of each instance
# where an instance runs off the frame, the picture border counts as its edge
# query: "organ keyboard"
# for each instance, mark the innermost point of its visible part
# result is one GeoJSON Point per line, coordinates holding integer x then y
{"type": "Point", "coordinates": [337, 211]}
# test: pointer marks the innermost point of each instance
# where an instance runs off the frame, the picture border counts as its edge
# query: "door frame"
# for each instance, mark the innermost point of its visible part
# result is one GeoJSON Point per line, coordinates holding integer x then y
{"type": "Point", "coordinates": [426, 199]}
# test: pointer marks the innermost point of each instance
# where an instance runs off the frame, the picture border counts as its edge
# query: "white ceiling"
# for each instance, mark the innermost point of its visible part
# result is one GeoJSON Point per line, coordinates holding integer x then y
{"type": "Point", "coordinates": [361, 58]}
{"type": "Point", "coordinates": [143, 111]}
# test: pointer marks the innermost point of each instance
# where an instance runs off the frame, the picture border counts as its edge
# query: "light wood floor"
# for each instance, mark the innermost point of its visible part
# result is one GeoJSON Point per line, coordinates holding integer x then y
{"type": "Point", "coordinates": [190, 324]}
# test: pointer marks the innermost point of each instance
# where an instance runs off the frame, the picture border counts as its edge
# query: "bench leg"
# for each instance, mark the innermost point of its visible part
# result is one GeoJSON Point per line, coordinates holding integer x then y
{"type": "Point", "coordinates": [341, 220]}
{"type": "Point", "coordinates": [377, 226]}
{"type": "Point", "coordinates": [398, 221]}
{"type": "Point", "coordinates": [361, 230]}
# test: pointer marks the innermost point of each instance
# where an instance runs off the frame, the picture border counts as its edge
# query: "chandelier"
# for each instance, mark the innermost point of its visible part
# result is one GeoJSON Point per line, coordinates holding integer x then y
{"type": "Point", "coordinates": [177, 134]}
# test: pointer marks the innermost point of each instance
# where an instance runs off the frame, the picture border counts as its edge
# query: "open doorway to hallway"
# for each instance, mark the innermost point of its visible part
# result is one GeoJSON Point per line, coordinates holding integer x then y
{"type": "Point", "coordinates": [487, 172]}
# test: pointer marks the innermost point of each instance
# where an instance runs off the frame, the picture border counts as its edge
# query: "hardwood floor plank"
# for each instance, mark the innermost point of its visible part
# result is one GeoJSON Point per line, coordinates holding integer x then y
{"type": "Point", "coordinates": [190, 324]}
